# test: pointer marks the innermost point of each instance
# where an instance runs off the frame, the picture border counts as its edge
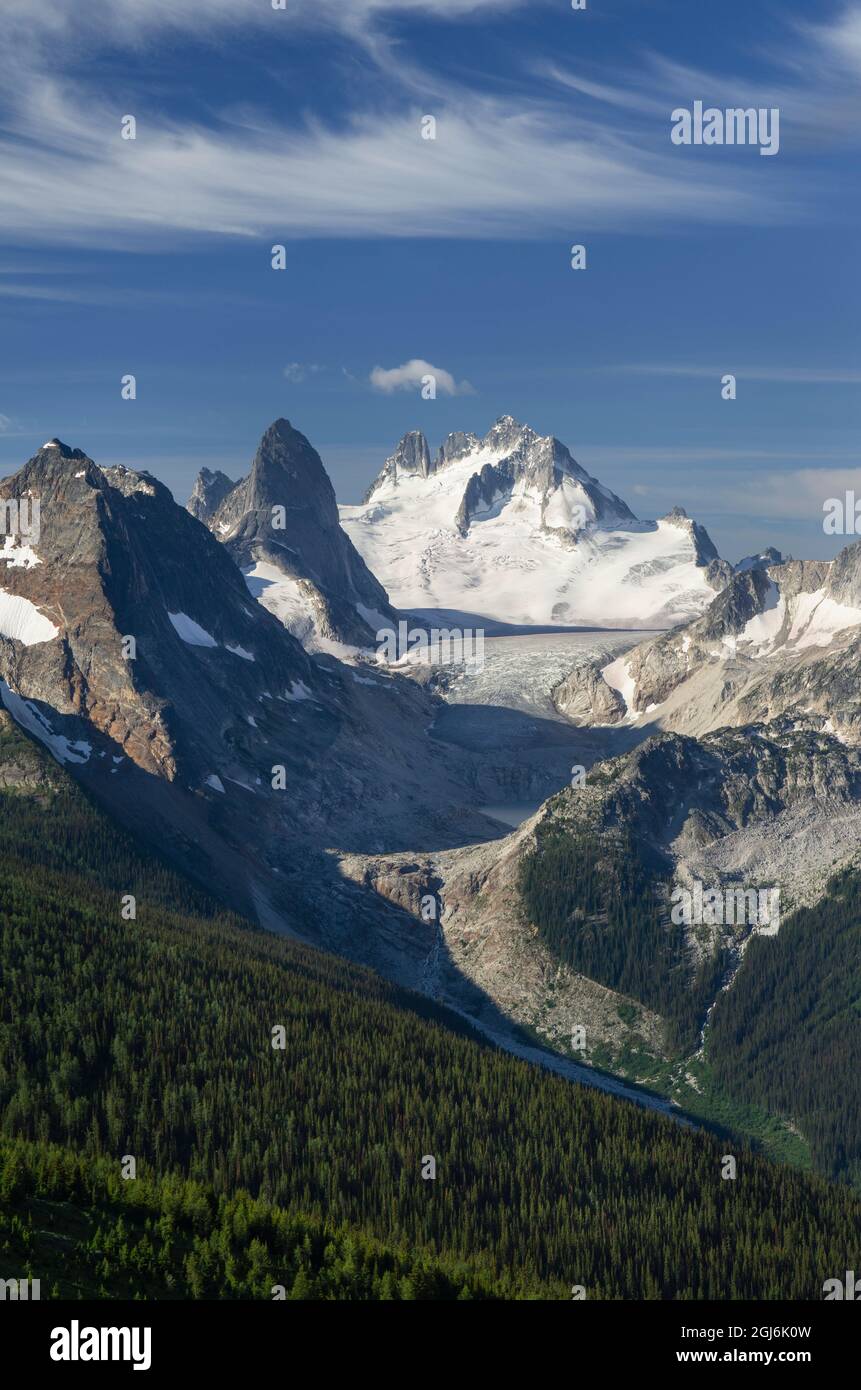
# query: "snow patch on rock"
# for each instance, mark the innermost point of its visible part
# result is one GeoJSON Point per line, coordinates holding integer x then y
{"type": "Point", "coordinates": [190, 631]}
{"type": "Point", "coordinates": [31, 718]}
{"type": "Point", "coordinates": [618, 676]}
{"type": "Point", "coordinates": [20, 619]}
{"type": "Point", "coordinates": [17, 555]}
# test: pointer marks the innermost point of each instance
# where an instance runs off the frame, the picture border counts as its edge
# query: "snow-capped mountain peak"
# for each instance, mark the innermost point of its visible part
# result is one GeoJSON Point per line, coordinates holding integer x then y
{"type": "Point", "coordinates": [511, 528]}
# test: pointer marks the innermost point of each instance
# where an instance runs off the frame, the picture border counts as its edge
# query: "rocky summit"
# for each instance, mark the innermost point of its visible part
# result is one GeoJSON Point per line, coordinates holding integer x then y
{"type": "Point", "coordinates": [510, 529]}
{"type": "Point", "coordinates": [280, 524]}
{"type": "Point", "coordinates": [131, 647]}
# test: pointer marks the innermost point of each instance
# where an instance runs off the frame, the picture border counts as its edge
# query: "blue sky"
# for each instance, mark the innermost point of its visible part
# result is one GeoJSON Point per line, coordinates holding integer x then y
{"type": "Point", "coordinates": [303, 127]}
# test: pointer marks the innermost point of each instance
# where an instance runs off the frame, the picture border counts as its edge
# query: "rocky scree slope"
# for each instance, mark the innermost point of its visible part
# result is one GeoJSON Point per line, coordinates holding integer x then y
{"type": "Point", "coordinates": [776, 806]}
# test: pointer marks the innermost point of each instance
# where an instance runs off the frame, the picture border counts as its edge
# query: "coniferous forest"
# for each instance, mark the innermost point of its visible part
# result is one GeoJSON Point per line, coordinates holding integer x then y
{"type": "Point", "coordinates": [302, 1166]}
{"type": "Point", "coordinates": [596, 906]}
{"type": "Point", "coordinates": [786, 1034]}
{"type": "Point", "coordinates": [783, 1037]}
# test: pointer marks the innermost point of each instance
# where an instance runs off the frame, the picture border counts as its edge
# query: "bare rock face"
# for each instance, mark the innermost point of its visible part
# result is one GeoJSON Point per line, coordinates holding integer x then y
{"type": "Point", "coordinates": [456, 446]}
{"type": "Point", "coordinates": [776, 805]}
{"type": "Point", "coordinates": [411, 458]}
{"type": "Point", "coordinates": [131, 648]}
{"type": "Point", "coordinates": [844, 577]}
{"type": "Point", "coordinates": [766, 557]}
{"type": "Point", "coordinates": [284, 515]}
{"type": "Point", "coordinates": [522, 458]}
{"type": "Point", "coordinates": [718, 572]}
{"type": "Point", "coordinates": [584, 697]}
{"type": "Point", "coordinates": [703, 546]}
{"type": "Point", "coordinates": [372, 818]}
{"type": "Point", "coordinates": [208, 493]}
{"type": "Point", "coordinates": [482, 956]}
{"type": "Point", "coordinates": [122, 603]}
{"type": "Point", "coordinates": [22, 768]}
{"type": "Point", "coordinates": [541, 465]}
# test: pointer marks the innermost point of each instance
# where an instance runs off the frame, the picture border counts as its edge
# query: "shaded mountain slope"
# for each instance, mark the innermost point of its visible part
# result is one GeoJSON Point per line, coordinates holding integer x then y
{"type": "Point", "coordinates": [153, 1037]}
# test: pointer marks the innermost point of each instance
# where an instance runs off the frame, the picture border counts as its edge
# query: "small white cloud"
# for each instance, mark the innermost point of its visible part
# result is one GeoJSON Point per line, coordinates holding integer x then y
{"type": "Point", "coordinates": [5, 422]}
{"type": "Point", "coordinates": [412, 374]}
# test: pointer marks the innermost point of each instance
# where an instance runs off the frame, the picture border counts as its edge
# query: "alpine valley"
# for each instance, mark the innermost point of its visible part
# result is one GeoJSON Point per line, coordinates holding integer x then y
{"type": "Point", "coordinates": [451, 885]}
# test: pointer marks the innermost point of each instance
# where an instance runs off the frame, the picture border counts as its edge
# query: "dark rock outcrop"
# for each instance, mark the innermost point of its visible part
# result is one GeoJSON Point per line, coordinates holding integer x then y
{"type": "Point", "coordinates": [285, 514]}
{"type": "Point", "coordinates": [208, 493]}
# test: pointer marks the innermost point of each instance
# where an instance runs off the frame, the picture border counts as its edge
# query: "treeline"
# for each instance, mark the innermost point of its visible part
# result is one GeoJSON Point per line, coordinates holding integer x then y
{"type": "Point", "coordinates": [152, 1038]}
{"type": "Point", "coordinates": [788, 1033]}
{"type": "Point", "coordinates": [595, 904]}
{"type": "Point", "coordinates": [84, 1232]}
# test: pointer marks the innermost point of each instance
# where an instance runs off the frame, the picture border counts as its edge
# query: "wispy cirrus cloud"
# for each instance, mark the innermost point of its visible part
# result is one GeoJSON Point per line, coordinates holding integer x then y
{"type": "Point", "coordinates": [600, 164]}
{"type": "Point", "coordinates": [797, 494]}
{"type": "Point", "coordinates": [56, 290]}
{"type": "Point", "coordinates": [747, 497]}
{"type": "Point", "coordinates": [838, 42]}
{"type": "Point", "coordinates": [135, 21]}
{"type": "Point", "coordinates": [809, 71]}
{"type": "Point", "coordinates": [801, 493]}
{"type": "Point", "coordinates": [368, 177]}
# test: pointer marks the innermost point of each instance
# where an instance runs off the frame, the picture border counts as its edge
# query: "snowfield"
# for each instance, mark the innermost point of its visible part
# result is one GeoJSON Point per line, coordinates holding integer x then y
{"type": "Point", "coordinates": [531, 555]}
{"type": "Point", "coordinates": [21, 620]}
